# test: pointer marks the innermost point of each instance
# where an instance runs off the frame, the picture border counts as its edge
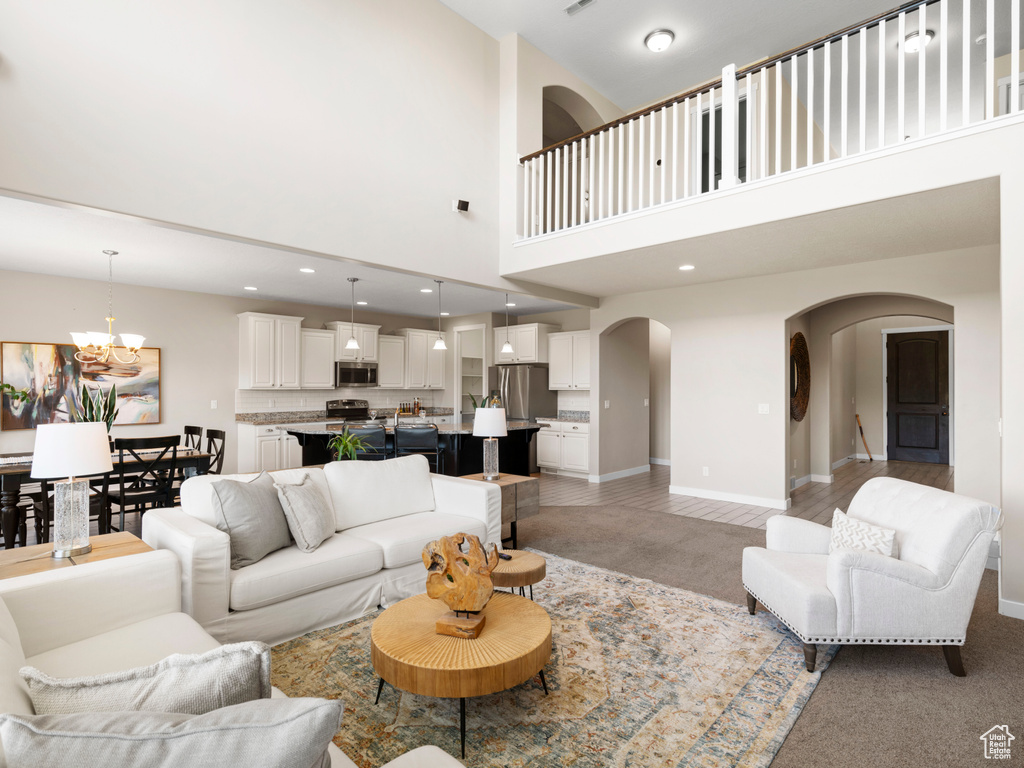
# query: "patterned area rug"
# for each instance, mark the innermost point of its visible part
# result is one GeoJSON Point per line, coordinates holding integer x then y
{"type": "Point", "coordinates": [641, 675]}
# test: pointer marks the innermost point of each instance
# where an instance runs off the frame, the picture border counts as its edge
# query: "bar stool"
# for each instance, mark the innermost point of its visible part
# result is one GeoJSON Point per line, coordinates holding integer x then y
{"type": "Point", "coordinates": [420, 439]}
{"type": "Point", "coordinates": [374, 437]}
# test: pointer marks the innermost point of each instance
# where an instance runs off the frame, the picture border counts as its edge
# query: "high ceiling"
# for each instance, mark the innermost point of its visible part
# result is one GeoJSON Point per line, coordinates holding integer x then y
{"type": "Point", "coordinates": [603, 44]}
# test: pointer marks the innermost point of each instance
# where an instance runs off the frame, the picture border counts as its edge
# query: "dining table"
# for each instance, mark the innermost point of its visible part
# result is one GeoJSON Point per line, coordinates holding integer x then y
{"type": "Point", "coordinates": [16, 468]}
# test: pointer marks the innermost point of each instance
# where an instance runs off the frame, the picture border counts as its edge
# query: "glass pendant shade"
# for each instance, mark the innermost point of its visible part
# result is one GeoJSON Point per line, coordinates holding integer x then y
{"type": "Point", "coordinates": [506, 349]}
{"type": "Point", "coordinates": [351, 343]}
{"type": "Point", "coordinates": [439, 344]}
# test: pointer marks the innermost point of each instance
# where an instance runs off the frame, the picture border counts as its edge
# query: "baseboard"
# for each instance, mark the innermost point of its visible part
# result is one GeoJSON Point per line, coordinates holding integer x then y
{"type": "Point", "coordinates": [866, 457]}
{"type": "Point", "coordinates": [737, 498]}
{"type": "Point", "coordinates": [821, 479]}
{"type": "Point", "coordinates": [796, 482]}
{"type": "Point", "coordinates": [664, 462]}
{"type": "Point", "coordinates": [567, 473]}
{"type": "Point", "coordinates": [1011, 608]}
{"type": "Point", "coordinates": [842, 462]}
{"type": "Point", "coordinates": [620, 474]}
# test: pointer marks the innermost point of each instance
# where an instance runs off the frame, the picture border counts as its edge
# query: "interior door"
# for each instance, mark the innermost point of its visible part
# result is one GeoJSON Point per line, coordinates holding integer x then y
{"type": "Point", "coordinates": [917, 381]}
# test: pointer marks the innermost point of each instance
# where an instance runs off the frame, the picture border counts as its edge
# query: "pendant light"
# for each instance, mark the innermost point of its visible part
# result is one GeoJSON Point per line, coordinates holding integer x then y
{"type": "Point", "coordinates": [352, 343]}
{"type": "Point", "coordinates": [506, 348]}
{"type": "Point", "coordinates": [98, 347]}
{"type": "Point", "coordinates": [439, 344]}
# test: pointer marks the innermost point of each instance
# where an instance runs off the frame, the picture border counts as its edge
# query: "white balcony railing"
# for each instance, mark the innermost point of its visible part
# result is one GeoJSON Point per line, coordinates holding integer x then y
{"type": "Point", "coordinates": [859, 90]}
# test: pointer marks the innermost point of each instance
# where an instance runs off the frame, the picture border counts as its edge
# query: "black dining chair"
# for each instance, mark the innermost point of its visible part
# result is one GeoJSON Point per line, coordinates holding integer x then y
{"type": "Point", "coordinates": [193, 438]}
{"type": "Point", "coordinates": [411, 439]}
{"type": "Point", "coordinates": [374, 437]}
{"type": "Point", "coordinates": [145, 473]}
{"type": "Point", "coordinates": [215, 447]}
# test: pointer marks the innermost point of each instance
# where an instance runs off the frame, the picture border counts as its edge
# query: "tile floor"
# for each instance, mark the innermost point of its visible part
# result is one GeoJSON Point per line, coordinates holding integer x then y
{"type": "Point", "coordinates": [813, 501]}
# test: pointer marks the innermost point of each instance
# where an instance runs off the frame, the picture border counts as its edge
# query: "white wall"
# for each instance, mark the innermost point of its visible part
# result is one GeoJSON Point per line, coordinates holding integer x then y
{"type": "Point", "coordinates": [661, 392]}
{"type": "Point", "coordinates": [842, 394]}
{"type": "Point", "coordinates": [301, 124]}
{"type": "Point", "coordinates": [624, 436]}
{"type": "Point", "coordinates": [197, 334]}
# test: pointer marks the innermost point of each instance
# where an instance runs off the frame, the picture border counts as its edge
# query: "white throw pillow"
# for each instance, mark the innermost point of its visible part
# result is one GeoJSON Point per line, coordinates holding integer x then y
{"type": "Point", "coordinates": [851, 533]}
{"type": "Point", "coordinates": [250, 513]}
{"type": "Point", "coordinates": [190, 684]}
{"type": "Point", "coordinates": [310, 518]}
{"type": "Point", "coordinates": [269, 733]}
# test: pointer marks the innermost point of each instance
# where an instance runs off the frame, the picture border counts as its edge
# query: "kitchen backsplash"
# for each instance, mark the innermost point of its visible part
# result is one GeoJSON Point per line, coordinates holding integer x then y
{"type": "Point", "coordinates": [574, 400]}
{"type": "Point", "coordinates": [264, 401]}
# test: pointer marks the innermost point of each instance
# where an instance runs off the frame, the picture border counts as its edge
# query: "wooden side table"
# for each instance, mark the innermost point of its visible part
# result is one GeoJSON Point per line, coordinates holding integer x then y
{"type": "Point", "coordinates": [407, 652]}
{"type": "Point", "coordinates": [520, 498]}
{"type": "Point", "coordinates": [37, 558]}
{"type": "Point", "coordinates": [524, 570]}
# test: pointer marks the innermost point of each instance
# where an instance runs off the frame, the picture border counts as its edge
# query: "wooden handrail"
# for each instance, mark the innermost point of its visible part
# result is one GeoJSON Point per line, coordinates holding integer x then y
{"type": "Point", "coordinates": [708, 85]}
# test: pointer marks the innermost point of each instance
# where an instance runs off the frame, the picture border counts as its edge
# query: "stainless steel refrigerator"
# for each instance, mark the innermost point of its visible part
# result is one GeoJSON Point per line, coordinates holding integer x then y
{"type": "Point", "coordinates": [524, 393]}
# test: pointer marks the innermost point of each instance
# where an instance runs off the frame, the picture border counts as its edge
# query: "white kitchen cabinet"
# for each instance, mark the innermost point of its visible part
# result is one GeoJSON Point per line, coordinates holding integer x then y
{"type": "Point", "coordinates": [391, 362]}
{"type": "Point", "coordinates": [267, 448]}
{"type": "Point", "coordinates": [564, 446]}
{"type": "Point", "coordinates": [317, 359]}
{"type": "Point", "coordinates": [569, 366]}
{"type": "Point", "coordinates": [529, 343]}
{"type": "Point", "coordinates": [424, 366]}
{"type": "Point", "coordinates": [366, 335]}
{"type": "Point", "coordinates": [269, 351]}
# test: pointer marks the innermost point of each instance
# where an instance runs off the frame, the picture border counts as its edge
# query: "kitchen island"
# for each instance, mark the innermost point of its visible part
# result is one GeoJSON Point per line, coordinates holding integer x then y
{"type": "Point", "coordinates": [463, 453]}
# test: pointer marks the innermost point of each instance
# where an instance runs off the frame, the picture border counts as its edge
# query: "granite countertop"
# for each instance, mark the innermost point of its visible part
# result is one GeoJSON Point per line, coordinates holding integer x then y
{"type": "Point", "coordinates": [464, 428]}
{"type": "Point", "coordinates": [570, 419]}
{"type": "Point", "coordinates": [312, 417]}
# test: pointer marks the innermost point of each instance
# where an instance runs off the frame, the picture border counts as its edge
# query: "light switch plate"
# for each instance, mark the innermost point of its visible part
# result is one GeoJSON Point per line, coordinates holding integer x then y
{"type": "Point", "coordinates": [607, 404]}
{"type": "Point", "coordinates": [762, 409]}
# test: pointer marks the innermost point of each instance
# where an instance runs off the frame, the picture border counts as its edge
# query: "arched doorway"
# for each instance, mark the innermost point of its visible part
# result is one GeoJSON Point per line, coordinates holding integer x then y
{"type": "Point", "coordinates": [566, 114]}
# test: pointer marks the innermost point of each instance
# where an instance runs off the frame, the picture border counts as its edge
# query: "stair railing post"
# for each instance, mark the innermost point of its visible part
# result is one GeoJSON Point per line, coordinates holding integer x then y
{"type": "Point", "coordinates": [730, 129]}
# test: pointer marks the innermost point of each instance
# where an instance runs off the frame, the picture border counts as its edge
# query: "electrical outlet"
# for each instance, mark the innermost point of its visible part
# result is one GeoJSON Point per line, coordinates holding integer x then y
{"type": "Point", "coordinates": [270, 403]}
{"type": "Point", "coordinates": [762, 409]}
{"type": "Point", "coordinates": [302, 401]}
{"type": "Point", "coordinates": [794, 463]}
{"type": "Point", "coordinates": [704, 471]}
{"type": "Point", "coordinates": [607, 404]}
{"type": "Point", "coordinates": [647, 402]}
{"type": "Point", "coordinates": [213, 405]}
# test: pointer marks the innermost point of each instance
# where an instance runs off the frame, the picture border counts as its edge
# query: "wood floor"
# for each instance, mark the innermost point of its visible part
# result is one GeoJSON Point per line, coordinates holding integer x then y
{"type": "Point", "coordinates": [813, 501]}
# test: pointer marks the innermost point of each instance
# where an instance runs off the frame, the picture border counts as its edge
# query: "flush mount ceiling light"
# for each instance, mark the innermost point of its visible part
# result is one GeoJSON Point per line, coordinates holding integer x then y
{"type": "Point", "coordinates": [439, 344]}
{"type": "Point", "coordinates": [686, 267]}
{"type": "Point", "coordinates": [506, 348]}
{"type": "Point", "coordinates": [307, 270]}
{"type": "Point", "coordinates": [98, 347]}
{"type": "Point", "coordinates": [659, 40]}
{"type": "Point", "coordinates": [352, 343]}
{"type": "Point", "coordinates": [914, 43]}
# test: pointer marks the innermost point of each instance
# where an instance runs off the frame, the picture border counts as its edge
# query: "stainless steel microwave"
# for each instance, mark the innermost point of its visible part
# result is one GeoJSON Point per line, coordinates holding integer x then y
{"type": "Point", "coordinates": [350, 374]}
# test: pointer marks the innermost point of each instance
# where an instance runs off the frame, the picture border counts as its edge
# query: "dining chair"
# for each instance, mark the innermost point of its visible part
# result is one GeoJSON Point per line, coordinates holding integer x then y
{"type": "Point", "coordinates": [374, 437]}
{"type": "Point", "coordinates": [420, 439]}
{"type": "Point", "coordinates": [145, 473]}
{"type": "Point", "coordinates": [193, 438]}
{"type": "Point", "coordinates": [215, 447]}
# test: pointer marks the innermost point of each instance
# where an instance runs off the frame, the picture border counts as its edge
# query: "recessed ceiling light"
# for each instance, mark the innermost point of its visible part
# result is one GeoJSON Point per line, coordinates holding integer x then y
{"type": "Point", "coordinates": [510, 304]}
{"type": "Point", "coordinates": [686, 267]}
{"type": "Point", "coordinates": [913, 43]}
{"type": "Point", "coordinates": [426, 290]}
{"type": "Point", "coordinates": [659, 40]}
{"type": "Point", "coordinates": [445, 314]}
{"type": "Point", "coordinates": [361, 303]}
{"type": "Point", "coordinates": [307, 270]}
{"type": "Point", "coordinates": [251, 288]}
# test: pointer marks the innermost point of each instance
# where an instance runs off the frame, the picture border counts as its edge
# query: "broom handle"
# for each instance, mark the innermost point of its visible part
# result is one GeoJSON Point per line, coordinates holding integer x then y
{"type": "Point", "coordinates": [861, 428]}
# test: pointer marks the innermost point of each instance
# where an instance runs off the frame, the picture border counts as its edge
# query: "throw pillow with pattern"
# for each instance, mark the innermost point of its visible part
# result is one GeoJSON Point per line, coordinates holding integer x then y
{"type": "Point", "coordinates": [851, 533]}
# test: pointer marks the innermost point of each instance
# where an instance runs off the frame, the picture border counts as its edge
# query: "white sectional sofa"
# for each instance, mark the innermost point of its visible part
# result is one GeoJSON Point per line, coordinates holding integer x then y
{"type": "Point", "coordinates": [109, 616]}
{"type": "Point", "coordinates": [385, 513]}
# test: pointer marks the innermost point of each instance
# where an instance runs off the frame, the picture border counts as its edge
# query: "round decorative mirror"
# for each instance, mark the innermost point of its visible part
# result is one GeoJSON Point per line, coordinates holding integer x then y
{"type": "Point", "coordinates": [799, 377]}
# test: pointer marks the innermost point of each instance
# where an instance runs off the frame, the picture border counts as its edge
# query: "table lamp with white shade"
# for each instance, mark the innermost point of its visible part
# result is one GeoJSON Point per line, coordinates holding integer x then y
{"type": "Point", "coordinates": [70, 450]}
{"type": "Point", "coordinates": [490, 423]}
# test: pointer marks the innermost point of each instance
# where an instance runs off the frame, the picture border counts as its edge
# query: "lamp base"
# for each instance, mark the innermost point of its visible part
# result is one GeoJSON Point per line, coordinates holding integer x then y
{"type": "Point", "coordinates": [64, 553]}
{"type": "Point", "coordinates": [491, 458]}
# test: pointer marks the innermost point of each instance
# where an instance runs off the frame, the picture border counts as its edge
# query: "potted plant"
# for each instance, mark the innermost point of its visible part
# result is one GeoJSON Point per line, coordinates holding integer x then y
{"type": "Point", "coordinates": [16, 395]}
{"type": "Point", "coordinates": [347, 445]}
{"type": "Point", "coordinates": [94, 406]}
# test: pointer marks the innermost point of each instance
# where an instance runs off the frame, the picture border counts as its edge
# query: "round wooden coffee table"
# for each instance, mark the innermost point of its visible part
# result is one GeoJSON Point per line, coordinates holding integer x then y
{"type": "Point", "coordinates": [524, 570]}
{"type": "Point", "coordinates": [407, 653]}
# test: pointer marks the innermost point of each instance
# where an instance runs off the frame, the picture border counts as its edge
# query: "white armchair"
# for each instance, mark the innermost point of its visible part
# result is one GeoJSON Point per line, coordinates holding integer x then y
{"type": "Point", "coordinates": [924, 596]}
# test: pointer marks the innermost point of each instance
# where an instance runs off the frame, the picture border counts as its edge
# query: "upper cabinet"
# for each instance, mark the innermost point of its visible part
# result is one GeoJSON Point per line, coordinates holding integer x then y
{"type": "Point", "coordinates": [424, 365]}
{"type": "Point", "coordinates": [391, 362]}
{"type": "Point", "coordinates": [269, 351]}
{"type": "Point", "coordinates": [570, 360]}
{"type": "Point", "coordinates": [317, 359]}
{"type": "Point", "coordinates": [366, 335]}
{"type": "Point", "coordinates": [529, 343]}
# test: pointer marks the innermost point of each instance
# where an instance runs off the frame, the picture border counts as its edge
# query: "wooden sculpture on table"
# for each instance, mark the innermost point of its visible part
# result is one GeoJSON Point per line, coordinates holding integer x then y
{"type": "Point", "coordinates": [462, 580]}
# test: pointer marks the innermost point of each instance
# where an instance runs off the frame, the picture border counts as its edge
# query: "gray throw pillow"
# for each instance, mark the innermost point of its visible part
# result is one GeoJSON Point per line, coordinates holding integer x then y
{"type": "Point", "coordinates": [251, 515]}
{"type": "Point", "coordinates": [269, 733]}
{"type": "Point", "coordinates": [310, 518]}
{"type": "Point", "coordinates": [191, 684]}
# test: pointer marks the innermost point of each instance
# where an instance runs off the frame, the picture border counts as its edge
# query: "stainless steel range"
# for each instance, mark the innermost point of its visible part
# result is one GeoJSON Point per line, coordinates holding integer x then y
{"type": "Point", "coordinates": [341, 412]}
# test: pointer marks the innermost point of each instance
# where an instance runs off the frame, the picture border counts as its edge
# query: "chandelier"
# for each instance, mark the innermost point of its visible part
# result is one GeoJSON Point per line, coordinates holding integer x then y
{"type": "Point", "coordinates": [98, 347]}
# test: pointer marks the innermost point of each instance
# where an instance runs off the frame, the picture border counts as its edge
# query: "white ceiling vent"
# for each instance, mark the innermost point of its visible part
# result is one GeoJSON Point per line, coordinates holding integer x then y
{"type": "Point", "coordinates": [578, 6]}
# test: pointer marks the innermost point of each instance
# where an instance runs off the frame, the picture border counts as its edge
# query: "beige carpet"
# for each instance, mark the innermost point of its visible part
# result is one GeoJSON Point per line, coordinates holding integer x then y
{"type": "Point", "coordinates": [876, 706]}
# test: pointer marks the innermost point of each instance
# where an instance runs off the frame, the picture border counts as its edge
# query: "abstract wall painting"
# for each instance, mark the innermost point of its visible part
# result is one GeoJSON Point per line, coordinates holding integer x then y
{"type": "Point", "coordinates": [54, 379]}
